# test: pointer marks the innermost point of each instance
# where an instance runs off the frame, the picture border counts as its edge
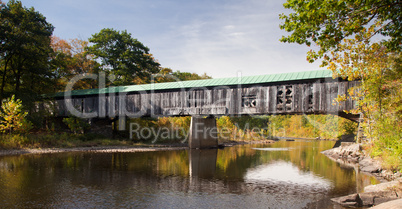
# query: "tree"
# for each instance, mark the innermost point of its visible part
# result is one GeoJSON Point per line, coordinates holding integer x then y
{"type": "Point", "coordinates": [24, 50]}
{"type": "Point", "coordinates": [326, 23]}
{"type": "Point", "coordinates": [167, 75]}
{"type": "Point", "coordinates": [69, 59]}
{"type": "Point", "coordinates": [13, 117]}
{"type": "Point", "coordinates": [185, 76]}
{"type": "Point", "coordinates": [344, 30]}
{"type": "Point", "coordinates": [76, 125]}
{"type": "Point", "coordinates": [125, 57]}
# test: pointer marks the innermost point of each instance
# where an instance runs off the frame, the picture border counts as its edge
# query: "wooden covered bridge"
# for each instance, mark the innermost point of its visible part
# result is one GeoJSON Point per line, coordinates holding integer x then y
{"type": "Point", "coordinates": [310, 92]}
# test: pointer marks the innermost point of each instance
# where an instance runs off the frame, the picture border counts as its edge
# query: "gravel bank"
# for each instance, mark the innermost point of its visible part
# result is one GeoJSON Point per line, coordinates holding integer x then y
{"type": "Point", "coordinates": [102, 149]}
{"type": "Point", "coordinates": [105, 149]}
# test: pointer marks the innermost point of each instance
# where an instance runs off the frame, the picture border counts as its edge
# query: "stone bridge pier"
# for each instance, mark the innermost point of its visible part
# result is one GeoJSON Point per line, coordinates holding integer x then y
{"type": "Point", "coordinates": [203, 133]}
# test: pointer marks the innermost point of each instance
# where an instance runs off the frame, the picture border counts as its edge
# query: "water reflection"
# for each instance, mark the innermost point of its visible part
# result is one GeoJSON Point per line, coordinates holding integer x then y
{"type": "Point", "coordinates": [273, 149]}
{"type": "Point", "coordinates": [285, 173]}
{"type": "Point", "coordinates": [241, 176]}
{"type": "Point", "coordinates": [202, 162]}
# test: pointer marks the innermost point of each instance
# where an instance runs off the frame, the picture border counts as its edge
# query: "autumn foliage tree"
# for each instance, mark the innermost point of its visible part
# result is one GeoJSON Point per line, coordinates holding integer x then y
{"type": "Point", "coordinates": [358, 40]}
{"type": "Point", "coordinates": [13, 117]}
{"type": "Point", "coordinates": [69, 59]}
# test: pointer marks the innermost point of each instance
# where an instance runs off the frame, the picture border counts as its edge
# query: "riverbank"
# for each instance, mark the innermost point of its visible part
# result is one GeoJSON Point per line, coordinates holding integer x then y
{"type": "Point", "coordinates": [91, 149]}
{"type": "Point", "coordinates": [128, 148]}
{"type": "Point", "coordinates": [352, 155]}
{"type": "Point", "coordinates": [373, 195]}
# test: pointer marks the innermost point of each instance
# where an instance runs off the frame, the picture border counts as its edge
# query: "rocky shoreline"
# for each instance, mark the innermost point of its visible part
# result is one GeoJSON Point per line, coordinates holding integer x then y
{"type": "Point", "coordinates": [352, 155]}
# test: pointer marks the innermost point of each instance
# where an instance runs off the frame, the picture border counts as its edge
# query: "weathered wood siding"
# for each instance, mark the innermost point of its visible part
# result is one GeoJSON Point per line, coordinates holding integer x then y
{"type": "Point", "coordinates": [295, 98]}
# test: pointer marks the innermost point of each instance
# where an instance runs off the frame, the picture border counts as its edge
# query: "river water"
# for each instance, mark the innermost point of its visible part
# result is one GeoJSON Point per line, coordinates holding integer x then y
{"type": "Point", "coordinates": [286, 174]}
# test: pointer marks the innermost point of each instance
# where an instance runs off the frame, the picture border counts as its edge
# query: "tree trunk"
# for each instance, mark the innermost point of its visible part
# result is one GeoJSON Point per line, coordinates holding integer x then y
{"type": "Point", "coordinates": [17, 81]}
{"type": "Point", "coordinates": [18, 75]}
{"type": "Point", "coordinates": [3, 82]}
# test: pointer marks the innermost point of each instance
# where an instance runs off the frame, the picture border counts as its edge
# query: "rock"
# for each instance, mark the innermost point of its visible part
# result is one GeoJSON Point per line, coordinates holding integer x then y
{"type": "Point", "coordinates": [383, 192]}
{"type": "Point", "coordinates": [352, 155]}
{"type": "Point", "coordinates": [370, 169]}
{"type": "Point", "coordinates": [344, 138]}
{"type": "Point", "coordinates": [387, 174]}
{"type": "Point", "coordinates": [367, 199]}
{"type": "Point", "coordinates": [373, 195]}
{"type": "Point", "coordinates": [352, 200]}
{"type": "Point", "coordinates": [393, 185]}
{"type": "Point", "coordinates": [378, 197]}
{"type": "Point", "coordinates": [367, 162]}
{"type": "Point", "coordinates": [346, 144]}
{"type": "Point", "coordinates": [381, 197]}
{"type": "Point", "coordinates": [354, 159]}
{"type": "Point", "coordinates": [395, 204]}
{"type": "Point", "coordinates": [368, 165]}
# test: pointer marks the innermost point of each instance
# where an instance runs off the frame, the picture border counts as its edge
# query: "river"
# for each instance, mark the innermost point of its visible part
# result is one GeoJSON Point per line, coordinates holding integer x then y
{"type": "Point", "coordinates": [285, 174]}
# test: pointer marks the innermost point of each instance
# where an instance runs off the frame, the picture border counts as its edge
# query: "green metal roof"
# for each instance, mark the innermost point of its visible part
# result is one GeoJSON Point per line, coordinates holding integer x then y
{"type": "Point", "coordinates": [244, 80]}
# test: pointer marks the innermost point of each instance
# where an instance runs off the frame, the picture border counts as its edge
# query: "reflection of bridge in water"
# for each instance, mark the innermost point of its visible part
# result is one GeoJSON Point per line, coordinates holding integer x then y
{"type": "Point", "coordinates": [311, 92]}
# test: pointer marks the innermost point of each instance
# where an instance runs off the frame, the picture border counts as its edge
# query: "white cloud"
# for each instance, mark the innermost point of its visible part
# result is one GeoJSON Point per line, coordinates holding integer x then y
{"type": "Point", "coordinates": [241, 37]}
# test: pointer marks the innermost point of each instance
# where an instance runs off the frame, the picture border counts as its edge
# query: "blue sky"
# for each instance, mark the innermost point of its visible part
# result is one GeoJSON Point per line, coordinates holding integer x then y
{"type": "Point", "coordinates": [218, 37]}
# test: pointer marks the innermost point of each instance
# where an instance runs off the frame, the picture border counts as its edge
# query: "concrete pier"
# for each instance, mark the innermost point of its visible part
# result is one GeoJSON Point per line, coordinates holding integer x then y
{"type": "Point", "coordinates": [203, 133]}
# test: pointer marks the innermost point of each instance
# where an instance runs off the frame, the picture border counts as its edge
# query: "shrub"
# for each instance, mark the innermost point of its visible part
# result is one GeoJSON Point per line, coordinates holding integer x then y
{"type": "Point", "coordinates": [76, 125]}
{"type": "Point", "coordinates": [13, 117]}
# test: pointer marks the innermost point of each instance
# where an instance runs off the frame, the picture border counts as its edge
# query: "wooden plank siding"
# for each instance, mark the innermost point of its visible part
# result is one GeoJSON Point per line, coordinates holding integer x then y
{"type": "Point", "coordinates": [295, 98]}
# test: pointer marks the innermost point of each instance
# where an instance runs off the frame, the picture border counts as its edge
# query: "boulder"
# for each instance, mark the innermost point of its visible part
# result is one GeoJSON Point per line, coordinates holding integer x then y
{"type": "Point", "coordinates": [367, 199]}
{"type": "Point", "coordinates": [368, 165]}
{"type": "Point", "coordinates": [352, 200]}
{"type": "Point", "coordinates": [385, 196]}
{"type": "Point", "coordinates": [395, 186]}
{"type": "Point", "coordinates": [394, 204]}
{"type": "Point", "coordinates": [373, 195]}
{"type": "Point", "coordinates": [370, 169]}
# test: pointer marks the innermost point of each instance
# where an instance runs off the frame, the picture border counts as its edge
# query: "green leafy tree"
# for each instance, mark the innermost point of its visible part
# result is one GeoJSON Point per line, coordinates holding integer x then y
{"type": "Point", "coordinates": [327, 22]}
{"type": "Point", "coordinates": [184, 76]}
{"type": "Point", "coordinates": [24, 50]}
{"type": "Point", "coordinates": [167, 75]}
{"type": "Point", "coordinates": [13, 117]}
{"type": "Point", "coordinates": [125, 57]}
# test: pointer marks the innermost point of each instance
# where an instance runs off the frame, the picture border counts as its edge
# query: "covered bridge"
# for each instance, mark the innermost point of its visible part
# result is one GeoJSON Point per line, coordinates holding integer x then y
{"type": "Point", "coordinates": [309, 92]}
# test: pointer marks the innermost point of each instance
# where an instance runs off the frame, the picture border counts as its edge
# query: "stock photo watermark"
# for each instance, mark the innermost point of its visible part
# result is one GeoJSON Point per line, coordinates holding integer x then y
{"type": "Point", "coordinates": [153, 134]}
